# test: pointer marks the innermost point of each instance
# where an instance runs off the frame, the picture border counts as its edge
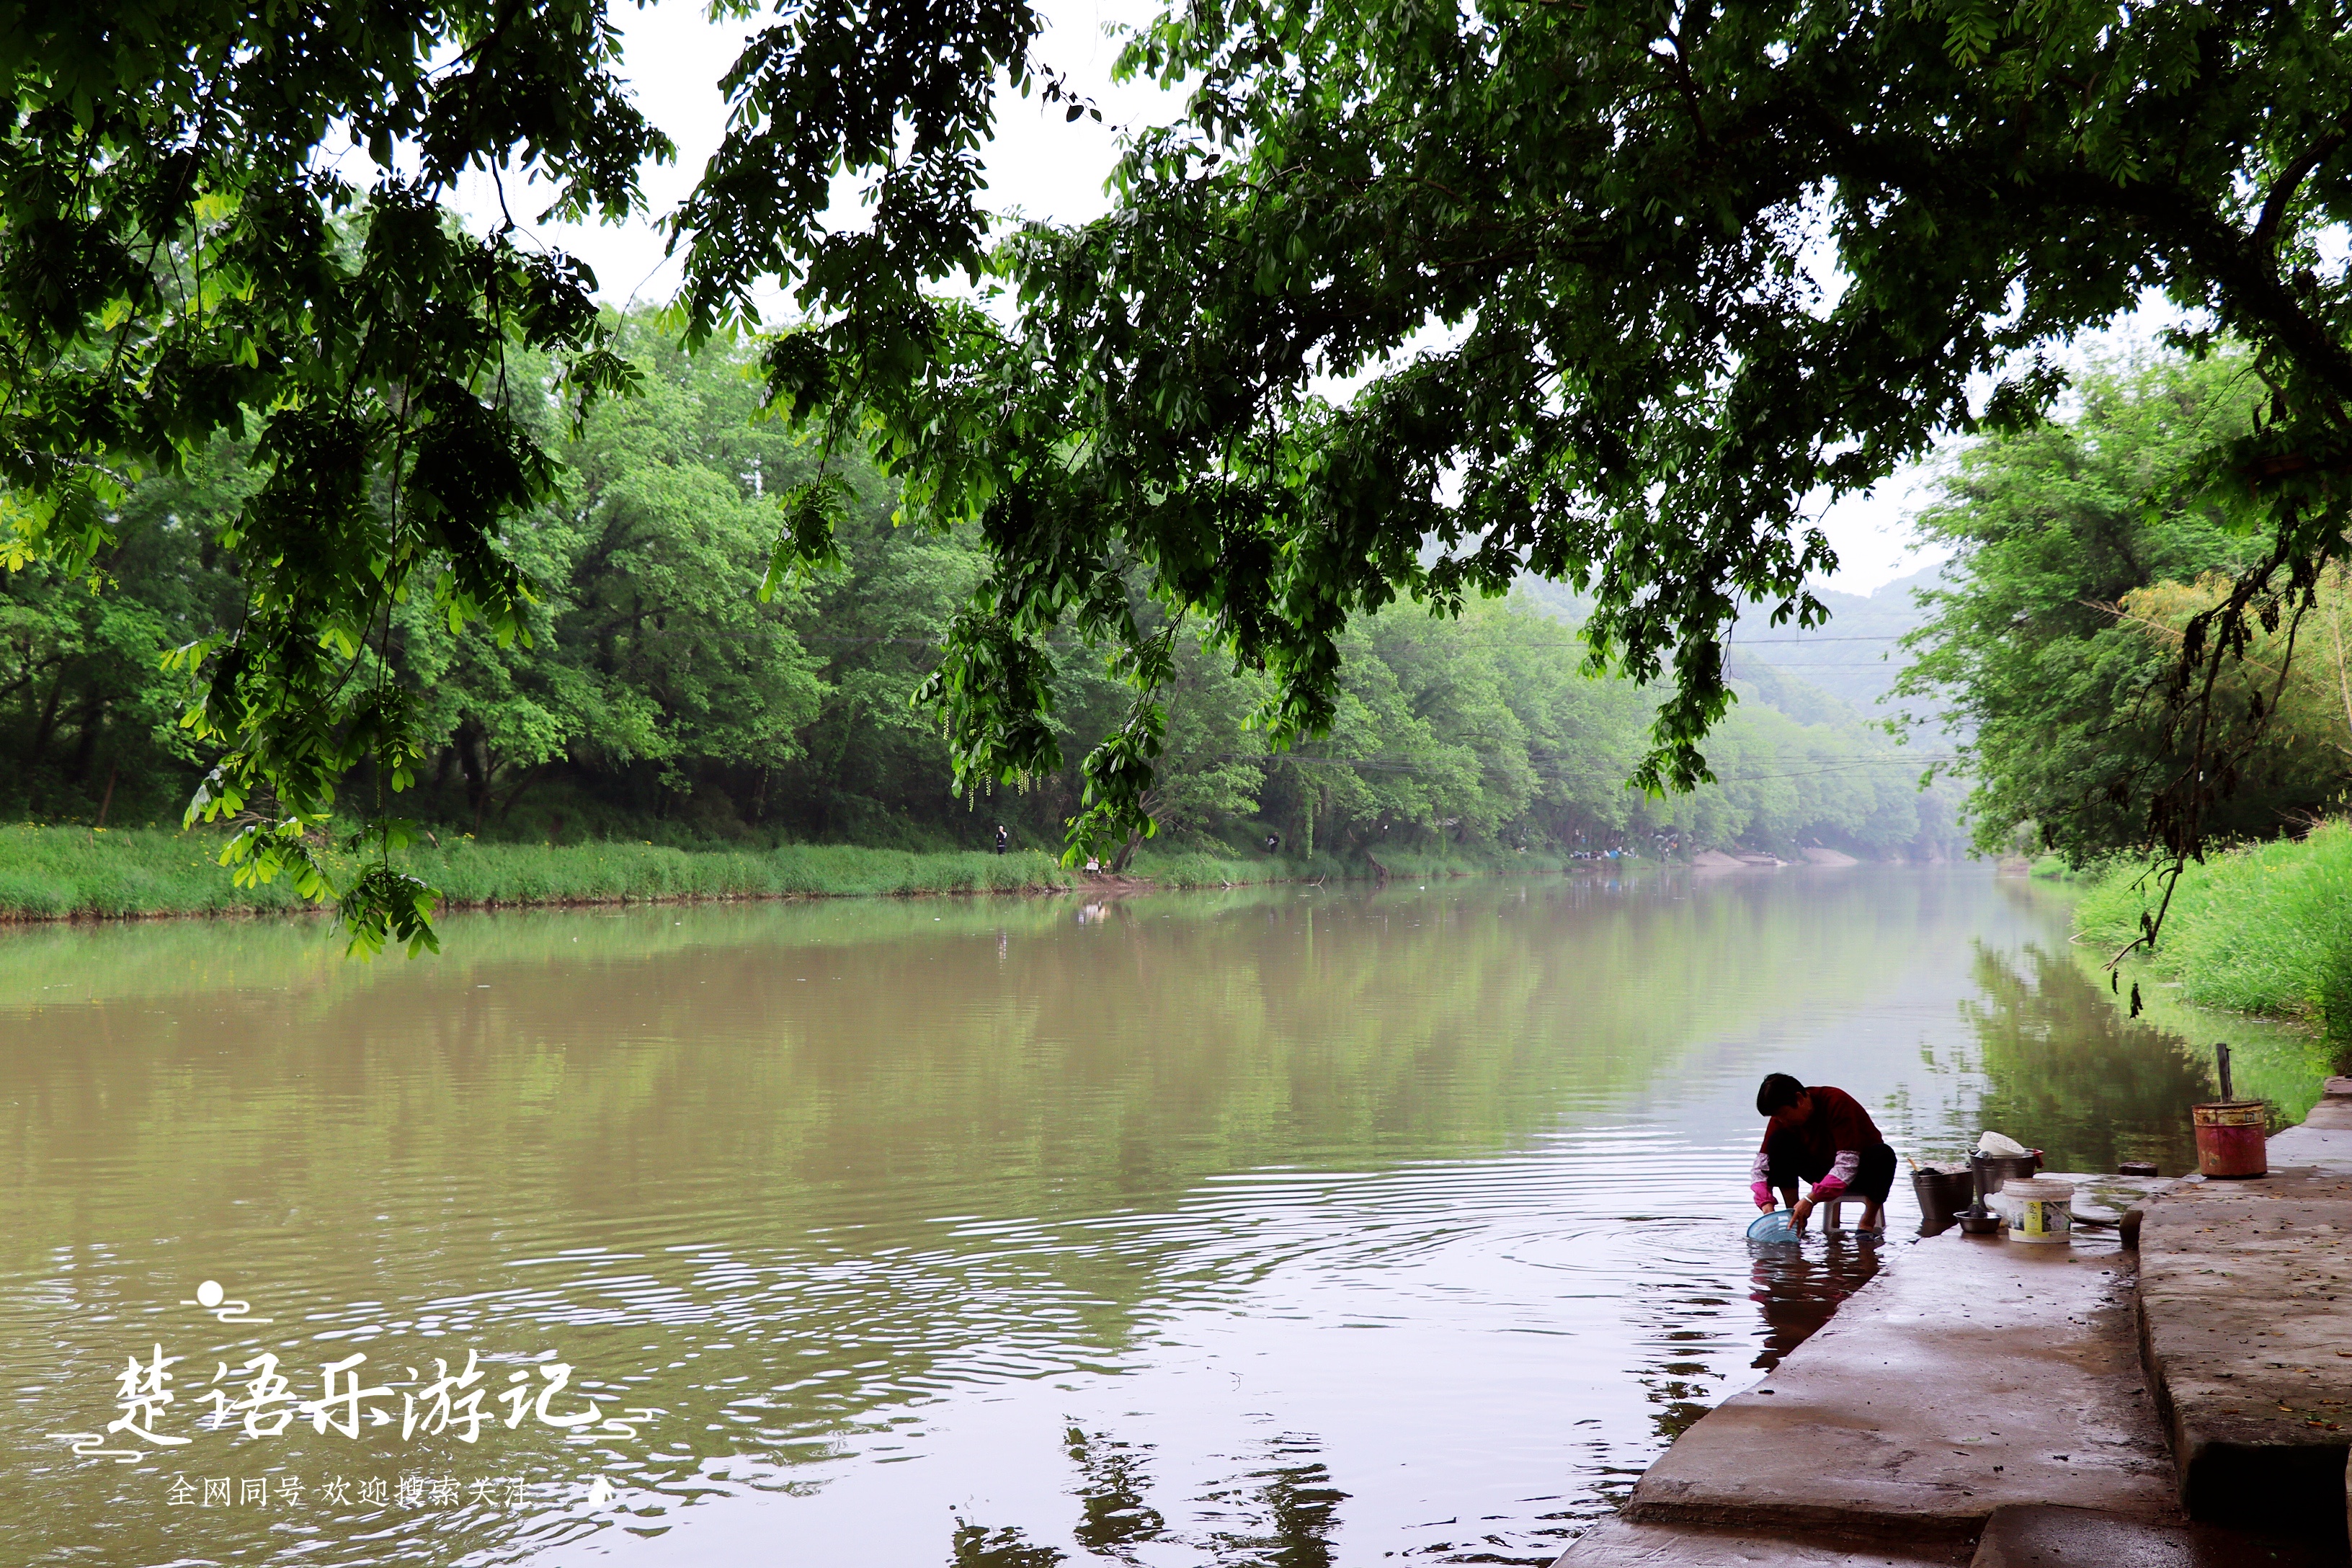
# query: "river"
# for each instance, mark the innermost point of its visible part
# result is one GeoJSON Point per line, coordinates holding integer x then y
{"type": "Point", "coordinates": [1283, 1227]}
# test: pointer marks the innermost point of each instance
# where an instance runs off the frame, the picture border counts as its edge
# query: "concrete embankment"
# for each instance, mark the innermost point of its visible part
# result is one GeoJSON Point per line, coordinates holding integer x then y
{"type": "Point", "coordinates": [1986, 1402]}
{"type": "Point", "coordinates": [2245, 1315]}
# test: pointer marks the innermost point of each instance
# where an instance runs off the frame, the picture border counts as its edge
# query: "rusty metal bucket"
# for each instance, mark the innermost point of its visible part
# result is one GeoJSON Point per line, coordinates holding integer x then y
{"type": "Point", "coordinates": [2232, 1140]}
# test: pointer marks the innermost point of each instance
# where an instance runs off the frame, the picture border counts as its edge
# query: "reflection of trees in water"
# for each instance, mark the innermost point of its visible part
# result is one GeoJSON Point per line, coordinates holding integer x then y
{"type": "Point", "coordinates": [1115, 1515]}
{"type": "Point", "coordinates": [2070, 1073]}
{"type": "Point", "coordinates": [1282, 1516]}
{"type": "Point", "coordinates": [977, 1546]}
{"type": "Point", "coordinates": [1279, 1515]}
{"type": "Point", "coordinates": [1797, 1288]}
{"type": "Point", "coordinates": [1680, 1388]}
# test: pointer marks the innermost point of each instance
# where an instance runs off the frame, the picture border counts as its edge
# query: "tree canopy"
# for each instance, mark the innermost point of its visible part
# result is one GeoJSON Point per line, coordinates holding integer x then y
{"type": "Point", "coordinates": [656, 698]}
{"type": "Point", "coordinates": [1622, 293]}
{"type": "Point", "coordinates": [2057, 641]}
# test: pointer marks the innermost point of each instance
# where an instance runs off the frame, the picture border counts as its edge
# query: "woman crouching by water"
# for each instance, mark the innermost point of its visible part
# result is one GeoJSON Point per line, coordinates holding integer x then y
{"type": "Point", "coordinates": [1824, 1136]}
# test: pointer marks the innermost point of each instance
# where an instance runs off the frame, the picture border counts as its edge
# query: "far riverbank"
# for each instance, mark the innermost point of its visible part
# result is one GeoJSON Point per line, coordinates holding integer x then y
{"type": "Point", "coordinates": [77, 873]}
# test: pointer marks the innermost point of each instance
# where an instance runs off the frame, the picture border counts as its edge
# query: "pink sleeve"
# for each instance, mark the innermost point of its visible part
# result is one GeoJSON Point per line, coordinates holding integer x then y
{"type": "Point", "coordinates": [1841, 1173]}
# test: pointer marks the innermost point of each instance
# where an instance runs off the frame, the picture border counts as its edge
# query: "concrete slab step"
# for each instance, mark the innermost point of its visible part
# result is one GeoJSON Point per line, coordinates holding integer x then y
{"type": "Point", "coordinates": [2014, 1536]}
{"type": "Point", "coordinates": [1971, 1373]}
{"type": "Point", "coordinates": [1623, 1543]}
{"type": "Point", "coordinates": [2245, 1324]}
{"type": "Point", "coordinates": [2081, 1538]}
{"type": "Point", "coordinates": [2324, 1139]}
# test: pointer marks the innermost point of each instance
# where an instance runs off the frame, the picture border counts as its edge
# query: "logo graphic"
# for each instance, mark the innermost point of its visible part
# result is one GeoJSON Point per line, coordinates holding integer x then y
{"type": "Point", "coordinates": [214, 1299]}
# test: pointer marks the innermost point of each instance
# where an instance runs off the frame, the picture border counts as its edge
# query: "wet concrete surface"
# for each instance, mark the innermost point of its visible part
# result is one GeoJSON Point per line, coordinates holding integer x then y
{"type": "Point", "coordinates": [2325, 1137]}
{"type": "Point", "coordinates": [2023, 1536]}
{"type": "Point", "coordinates": [2245, 1305]}
{"type": "Point", "coordinates": [1971, 1373]}
{"type": "Point", "coordinates": [2075, 1538]}
{"type": "Point", "coordinates": [1623, 1543]}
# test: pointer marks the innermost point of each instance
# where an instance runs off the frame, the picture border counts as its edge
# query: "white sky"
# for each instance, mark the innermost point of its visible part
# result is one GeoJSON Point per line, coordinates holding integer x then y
{"type": "Point", "coordinates": [1038, 164]}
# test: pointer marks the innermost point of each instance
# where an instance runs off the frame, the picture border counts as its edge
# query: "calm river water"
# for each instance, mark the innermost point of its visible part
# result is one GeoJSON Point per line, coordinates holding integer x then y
{"type": "Point", "coordinates": [1277, 1228]}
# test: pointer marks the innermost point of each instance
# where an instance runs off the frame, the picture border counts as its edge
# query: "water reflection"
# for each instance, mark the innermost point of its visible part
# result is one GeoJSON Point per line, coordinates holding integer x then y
{"type": "Point", "coordinates": [977, 1546]}
{"type": "Point", "coordinates": [1797, 1288]}
{"type": "Point", "coordinates": [1112, 1483]}
{"type": "Point", "coordinates": [1076, 1227]}
{"type": "Point", "coordinates": [2092, 1084]}
{"type": "Point", "coordinates": [1280, 1515]}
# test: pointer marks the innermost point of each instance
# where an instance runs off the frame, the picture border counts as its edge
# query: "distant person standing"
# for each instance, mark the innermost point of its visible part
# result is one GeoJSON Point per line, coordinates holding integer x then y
{"type": "Point", "coordinates": [1822, 1135]}
{"type": "Point", "coordinates": [1003, 839]}
{"type": "Point", "coordinates": [1272, 843]}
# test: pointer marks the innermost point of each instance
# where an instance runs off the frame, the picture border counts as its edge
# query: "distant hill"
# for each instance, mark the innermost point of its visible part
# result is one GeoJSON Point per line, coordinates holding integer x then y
{"type": "Point", "coordinates": [1857, 655]}
{"type": "Point", "coordinates": [1558, 600]}
{"type": "Point", "coordinates": [1827, 685]}
{"type": "Point", "coordinates": [1753, 676]}
{"type": "Point", "coordinates": [1757, 682]}
{"type": "Point", "coordinates": [1834, 676]}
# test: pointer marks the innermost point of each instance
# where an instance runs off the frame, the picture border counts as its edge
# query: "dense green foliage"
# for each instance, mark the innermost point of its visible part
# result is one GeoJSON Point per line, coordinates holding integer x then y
{"type": "Point", "coordinates": [2263, 929]}
{"type": "Point", "coordinates": [1573, 251]}
{"type": "Point", "coordinates": [181, 261]}
{"type": "Point", "coordinates": [1570, 247]}
{"type": "Point", "coordinates": [655, 696]}
{"type": "Point", "coordinates": [2056, 647]}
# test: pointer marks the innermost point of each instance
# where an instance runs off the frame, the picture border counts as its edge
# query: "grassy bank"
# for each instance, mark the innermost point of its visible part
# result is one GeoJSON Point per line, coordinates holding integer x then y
{"type": "Point", "coordinates": [51, 873]}
{"type": "Point", "coordinates": [57, 873]}
{"type": "Point", "coordinates": [2264, 930]}
{"type": "Point", "coordinates": [1212, 869]}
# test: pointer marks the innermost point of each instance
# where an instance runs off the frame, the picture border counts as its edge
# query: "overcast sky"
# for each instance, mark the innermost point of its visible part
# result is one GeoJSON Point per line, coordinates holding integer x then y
{"type": "Point", "coordinates": [1039, 164]}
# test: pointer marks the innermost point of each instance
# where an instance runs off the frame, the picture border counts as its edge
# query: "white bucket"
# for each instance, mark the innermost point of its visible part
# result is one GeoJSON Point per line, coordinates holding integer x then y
{"type": "Point", "coordinates": [2044, 1210]}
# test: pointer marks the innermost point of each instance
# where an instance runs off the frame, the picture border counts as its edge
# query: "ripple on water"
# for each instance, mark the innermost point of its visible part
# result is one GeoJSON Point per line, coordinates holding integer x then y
{"type": "Point", "coordinates": [1402, 1222]}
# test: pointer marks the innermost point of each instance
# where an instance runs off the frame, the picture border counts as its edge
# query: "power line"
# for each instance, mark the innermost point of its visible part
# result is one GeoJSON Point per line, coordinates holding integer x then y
{"type": "Point", "coordinates": [1733, 644]}
{"type": "Point", "coordinates": [1409, 765]}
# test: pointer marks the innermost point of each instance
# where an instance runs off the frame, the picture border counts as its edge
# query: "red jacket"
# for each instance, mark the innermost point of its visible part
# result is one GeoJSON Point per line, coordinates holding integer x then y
{"type": "Point", "coordinates": [1832, 1140]}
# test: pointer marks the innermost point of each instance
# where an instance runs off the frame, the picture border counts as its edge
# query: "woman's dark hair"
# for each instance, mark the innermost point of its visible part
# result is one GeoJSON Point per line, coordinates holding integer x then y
{"type": "Point", "coordinates": [1778, 1091]}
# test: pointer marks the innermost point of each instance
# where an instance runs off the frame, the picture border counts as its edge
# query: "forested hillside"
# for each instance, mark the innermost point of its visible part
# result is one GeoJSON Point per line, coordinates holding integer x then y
{"type": "Point", "coordinates": [1859, 655]}
{"type": "Point", "coordinates": [652, 694]}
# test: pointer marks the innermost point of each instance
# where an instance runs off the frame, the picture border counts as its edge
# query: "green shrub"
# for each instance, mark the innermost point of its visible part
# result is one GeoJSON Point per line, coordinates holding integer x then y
{"type": "Point", "coordinates": [2263, 929]}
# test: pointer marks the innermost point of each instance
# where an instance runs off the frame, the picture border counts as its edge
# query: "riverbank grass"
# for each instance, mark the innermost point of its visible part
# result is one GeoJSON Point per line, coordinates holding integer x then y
{"type": "Point", "coordinates": [58, 873]}
{"type": "Point", "coordinates": [69, 873]}
{"type": "Point", "coordinates": [2266, 928]}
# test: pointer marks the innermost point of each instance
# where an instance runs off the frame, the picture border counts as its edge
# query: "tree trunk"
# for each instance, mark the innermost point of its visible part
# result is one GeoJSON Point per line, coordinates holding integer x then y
{"type": "Point", "coordinates": [473, 755]}
{"type": "Point", "coordinates": [516, 794]}
{"type": "Point", "coordinates": [92, 721]}
{"type": "Point", "coordinates": [1126, 856]}
{"type": "Point", "coordinates": [47, 726]}
{"type": "Point", "coordinates": [108, 798]}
